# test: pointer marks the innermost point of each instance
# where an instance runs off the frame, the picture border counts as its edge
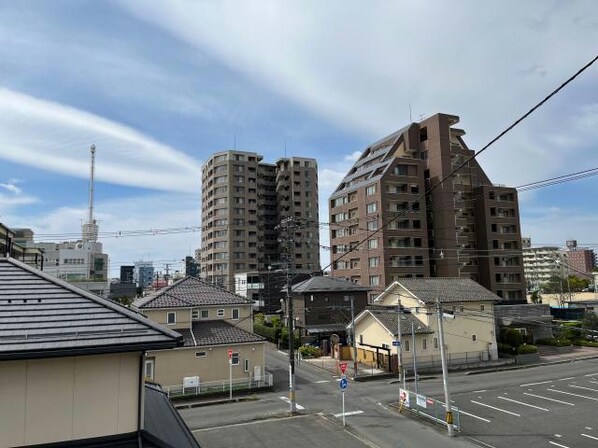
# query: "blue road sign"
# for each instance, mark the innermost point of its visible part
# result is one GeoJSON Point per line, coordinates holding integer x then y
{"type": "Point", "coordinates": [343, 383]}
{"type": "Point", "coordinates": [396, 343]}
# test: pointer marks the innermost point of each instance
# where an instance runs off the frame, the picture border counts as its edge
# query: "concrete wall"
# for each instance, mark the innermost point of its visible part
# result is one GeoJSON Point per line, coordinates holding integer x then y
{"type": "Point", "coordinates": [171, 366]}
{"type": "Point", "coordinates": [183, 316]}
{"type": "Point", "coordinates": [61, 399]}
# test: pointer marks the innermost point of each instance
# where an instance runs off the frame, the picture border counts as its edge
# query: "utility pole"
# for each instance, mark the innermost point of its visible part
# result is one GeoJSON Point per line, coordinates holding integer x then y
{"type": "Point", "coordinates": [399, 347]}
{"type": "Point", "coordinates": [354, 336]}
{"type": "Point", "coordinates": [447, 397]}
{"type": "Point", "coordinates": [414, 357]}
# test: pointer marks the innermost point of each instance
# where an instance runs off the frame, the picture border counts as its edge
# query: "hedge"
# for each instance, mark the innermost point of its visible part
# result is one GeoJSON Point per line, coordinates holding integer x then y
{"type": "Point", "coordinates": [526, 349]}
{"type": "Point", "coordinates": [554, 342]}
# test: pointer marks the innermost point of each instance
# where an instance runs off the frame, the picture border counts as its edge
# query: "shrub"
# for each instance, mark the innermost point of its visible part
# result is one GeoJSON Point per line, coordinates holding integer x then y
{"type": "Point", "coordinates": [584, 343]}
{"type": "Point", "coordinates": [309, 351]}
{"type": "Point", "coordinates": [268, 332]}
{"type": "Point", "coordinates": [554, 342]}
{"type": "Point", "coordinates": [526, 349]}
{"type": "Point", "coordinates": [511, 337]}
{"type": "Point", "coordinates": [505, 348]}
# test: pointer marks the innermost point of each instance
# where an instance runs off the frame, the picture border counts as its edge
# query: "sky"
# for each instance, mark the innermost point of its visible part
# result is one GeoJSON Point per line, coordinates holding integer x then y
{"type": "Point", "coordinates": [158, 86]}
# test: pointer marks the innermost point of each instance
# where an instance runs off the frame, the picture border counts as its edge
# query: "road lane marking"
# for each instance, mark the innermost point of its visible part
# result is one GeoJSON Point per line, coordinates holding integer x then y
{"type": "Point", "coordinates": [549, 399]}
{"type": "Point", "coordinates": [461, 411]}
{"type": "Point", "coordinates": [591, 374]}
{"type": "Point", "coordinates": [524, 404]}
{"type": "Point", "coordinates": [479, 391]}
{"type": "Point", "coordinates": [565, 379]}
{"type": "Point", "coordinates": [321, 381]}
{"type": "Point", "coordinates": [558, 435]}
{"type": "Point", "coordinates": [497, 409]}
{"type": "Point", "coordinates": [574, 395]}
{"type": "Point", "coordinates": [593, 382]}
{"type": "Point", "coordinates": [583, 387]}
{"type": "Point", "coordinates": [535, 384]}
{"type": "Point", "coordinates": [289, 401]}
{"type": "Point", "coordinates": [479, 442]}
{"type": "Point", "coordinates": [347, 414]}
{"type": "Point", "coordinates": [588, 428]}
{"type": "Point", "coordinates": [590, 437]}
{"type": "Point", "coordinates": [557, 444]}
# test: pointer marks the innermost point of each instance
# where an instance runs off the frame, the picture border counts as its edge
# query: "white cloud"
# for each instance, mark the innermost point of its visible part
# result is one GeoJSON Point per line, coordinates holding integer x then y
{"type": "Point", "coordinates": [55, 137]}
{"type": "Point", "coordinates": [11, 186]}
{"type": "Point", "coordinates": [14, 197]}
{"type": "Point", "coordinates": [352, 157]}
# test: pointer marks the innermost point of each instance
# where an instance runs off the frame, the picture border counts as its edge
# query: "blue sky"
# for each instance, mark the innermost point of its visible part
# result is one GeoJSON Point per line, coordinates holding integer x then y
{"type": "Point", "coordinates": [159, 86]}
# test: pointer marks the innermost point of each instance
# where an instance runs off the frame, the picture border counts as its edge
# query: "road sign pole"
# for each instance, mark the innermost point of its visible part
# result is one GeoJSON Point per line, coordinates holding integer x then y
{"type": "Point", "coordinates": [447, 397]}
{"type": "Point", "coordinates": [343, 394]}
{"type": "Point", "coordinates": [230, 374]}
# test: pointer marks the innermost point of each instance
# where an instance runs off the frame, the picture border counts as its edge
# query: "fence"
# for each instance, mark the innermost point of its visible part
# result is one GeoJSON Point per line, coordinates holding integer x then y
{"type": "Point", "coordinates": [266, 380]}
{"type": "Point", "coordinates": [428, 408]}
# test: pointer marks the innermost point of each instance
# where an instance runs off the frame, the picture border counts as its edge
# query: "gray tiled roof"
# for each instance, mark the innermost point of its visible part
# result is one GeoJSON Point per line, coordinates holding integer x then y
{"type": "Point", "coordinates": [327, 284]}
{"type": "Point", "coordinates": [190, 292]}
{"type": "Point", "coordinates": [387, 315]}
{"type": "Point", "coordinates": [217, 332]}
{"type": "Point", "coordinates": [448, 290]}
{"type": "Point", "coordinates": [42, 316]}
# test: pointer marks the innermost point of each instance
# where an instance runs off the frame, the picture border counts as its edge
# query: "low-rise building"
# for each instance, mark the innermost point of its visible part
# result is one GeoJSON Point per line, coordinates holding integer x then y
{"type": "Point", "coordinates": [72, 368]}
{"type": "Point", "coordinates": [212, 322]}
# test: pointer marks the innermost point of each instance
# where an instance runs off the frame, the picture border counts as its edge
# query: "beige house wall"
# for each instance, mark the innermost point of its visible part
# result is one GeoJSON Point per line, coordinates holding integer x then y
{"type": "Point", "coordinates": [69, 398]}
{"type": "Point", "coordinates": [183, 316]}
{"type": "Point", "coordinates": [555, 300]}
{"type": "Point", "coordinates": [171, 366]}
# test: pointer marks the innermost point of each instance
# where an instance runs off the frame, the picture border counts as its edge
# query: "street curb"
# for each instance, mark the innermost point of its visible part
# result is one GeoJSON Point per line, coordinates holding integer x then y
{"type": "Point", "coordinates": [199, 404]}
{"type": "Point", "coordinates": [529, 366]}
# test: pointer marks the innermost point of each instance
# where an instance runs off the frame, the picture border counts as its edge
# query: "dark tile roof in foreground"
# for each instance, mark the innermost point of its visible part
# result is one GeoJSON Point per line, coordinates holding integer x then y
{"type": "Point", "coordinates": [190, 292]}
{"type": "Point", "coordinates": [387, 315]}
{"type": "Point", "coordinates": [327, 284]}
{"type": "Point", "coordinates": [163, 421]}
{"type": "Point", "coordinates": [216, 332]}
{"type": "Point", "coordinates": [448, 290]}
{"type": "Point", "coordinates": [42, 316]}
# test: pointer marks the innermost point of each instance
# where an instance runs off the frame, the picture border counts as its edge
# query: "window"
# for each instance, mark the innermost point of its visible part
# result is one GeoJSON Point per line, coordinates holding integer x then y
{"type": "Point", "coordinates": [373, 262]}
{"type": "Point", "coordinates": [205, 314]}
{"type": "Point", "coordinates": [235, 313]}
{"type": "Point", "coordinates": [373, 244]}
{"type": "Point", "coordinates": [149, 368]}
{"type": "Point", "coordinates": [171, 318]}
{"type": "Point", "coordinates": [481, 307]}
{"type": "Point", "coordinates": [435, 342]}
{"type": "Point", "coordinates": [374, 280]}
{"type": "Point", "coordinates": [200, 354]}
{"type": "Point", "coordinates": [406, 344]}
{"type": "Point", "coordinates": [235, 359]}
{"type": "Point", "coordinates": [372, 207]}
{"type": "Point", "coordinates": [474, 337]}
{"type": "Point", "coordinates": [220, 313]}
{"type": "Point", "coordinates": [370, 190]}
{"type": "Point", "coordinates": [424, 344]}
{"type": "Point", "coordinates": [246, 365]}
{"type": "Point", "coordinates": [372, 225]}
{"type": "Point", "coordinates": [194, 314]}
{"type": "Point", "coordinates": [361, 339]}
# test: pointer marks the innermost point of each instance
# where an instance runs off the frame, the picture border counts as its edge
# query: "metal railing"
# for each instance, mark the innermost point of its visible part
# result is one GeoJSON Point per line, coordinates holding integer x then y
{"type": "Point", "coordinates": [428, 408]}
{"type": "Point", "coordinates": [178, 390]}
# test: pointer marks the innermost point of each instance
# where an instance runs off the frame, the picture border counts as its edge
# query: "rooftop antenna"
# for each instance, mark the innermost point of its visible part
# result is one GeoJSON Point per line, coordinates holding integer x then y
{"type": "Point", "coordinates": [285, 149]}
{"type": "Point", "coordinates": [90, 228]}
{"type": "Point", "coordinates": [410, 119]}
{"type": "Point", "coordinates": [235, 141]}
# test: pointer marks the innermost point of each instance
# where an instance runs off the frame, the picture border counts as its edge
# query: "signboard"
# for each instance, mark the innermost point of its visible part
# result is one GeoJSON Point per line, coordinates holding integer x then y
{"type": "Point", "coordinates": [404, 397]}
{"type": "Point", "coordinates": [190, 381]}
{"type": "Point", "coordinates": [343, 384]}
{"type": "Point", "coordinates": [343, 366]}
{"type": "Point", "coordinates": [396, 343]}
{"type": "Point", "coordinates": [421, 401]}
{"type": "Point", "coordinates": [230, 353]}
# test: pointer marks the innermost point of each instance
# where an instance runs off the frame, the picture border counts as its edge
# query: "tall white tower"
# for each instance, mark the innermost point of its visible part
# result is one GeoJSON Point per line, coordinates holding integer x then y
{"type": "Point", "coordinates": [90, 228]}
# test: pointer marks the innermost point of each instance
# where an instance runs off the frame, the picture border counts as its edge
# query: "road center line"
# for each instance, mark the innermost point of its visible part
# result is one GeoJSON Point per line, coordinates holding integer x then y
{"type": "Point", "coordinates": [524, 404]}
{"type": "Point", "coordinates": [591, 374]}
{"type": "Point", "coordinates": [565, 379]}
{"type": "Point", "coordinates": [583, 387]}
{"type": "Point", "coordinates": [461, 411]}
{"type": "Point", "coordinates": [289, 401]}
{"type": "Point", "coordinates": [574, 395]}
{"type": "Point", "coordinates": [557, 444]}
{"type": "Point", "coordinates": [497, 409]}
{"type": "Point", "coordinates": [535, 384]}
{"type": "Point", "coordinates": [549, 399]}
{"type": "Point", "coordinates": [479, 391]}
{"type": "Point", "coordinates": [593, 382]}
{"type": "Point", "coordinates": [322, 381]}
{"type": "Point", "coordinates": [590, 437]}
{"type": "Point", "coordinates": [347, 414]}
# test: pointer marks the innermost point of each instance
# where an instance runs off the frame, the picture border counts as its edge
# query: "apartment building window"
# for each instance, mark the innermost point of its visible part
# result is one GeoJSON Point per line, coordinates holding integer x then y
{"type": "Point", "coordinates": [372, 225]}
{"type": "Point", "coordinates": [374, 280]}
{"type": "Point", "coordinates": [373, 262]}
{"type": "Point", "coordinates": [370, 190]}
{"type": "Point", "coordinates": [372, 207]}
{"type": "Point", "coordinates": [235, 313]}
{"type": "Point", "coordinates": [240, 179]}
{"type": "Point", "coordinates": [373, 243]}
{"type": "Point", "coordinates": [171, 318]}
{"type": "Point", "coordinates": [220, 313]}
{"type": "Point", "coordinates": [221, 190]}
{"type": "Point", "coordinates": [219, 201]}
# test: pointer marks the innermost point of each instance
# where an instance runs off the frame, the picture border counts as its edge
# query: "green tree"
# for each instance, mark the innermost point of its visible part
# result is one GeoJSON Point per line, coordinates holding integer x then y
{"type": "Point", "coordinates": [536, 297]}
{"type": "Point", "coordinates": [590, 321]}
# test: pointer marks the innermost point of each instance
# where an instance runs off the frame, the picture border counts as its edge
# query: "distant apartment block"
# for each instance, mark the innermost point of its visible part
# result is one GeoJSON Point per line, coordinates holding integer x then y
{"type": "Point", "coordinates": [127, 274]}
{"type": "Point", "coordinates": [541, 263]}
{"type": "Point", "coordinates": [16, 243]}
{"type": "Point", "coordinates": [143, 274]}
{"type": "Point", "coordinates": [467, 228]}
{"type": "Point", "coordinates": [581, 261]}
{"type": "Point", "coordinates": [243, 200]}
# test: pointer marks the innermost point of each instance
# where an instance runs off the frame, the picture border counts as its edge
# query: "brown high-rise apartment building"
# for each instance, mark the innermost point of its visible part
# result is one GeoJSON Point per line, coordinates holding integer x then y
{"type": "Point", "coordinates": [467, 227]}
{"type": "Point", "coordinates": [243, 200]}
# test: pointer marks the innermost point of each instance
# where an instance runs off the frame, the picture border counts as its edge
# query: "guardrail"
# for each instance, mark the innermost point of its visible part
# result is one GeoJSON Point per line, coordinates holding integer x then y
{"type": "Point", "coordinates": [266, 380]}
{"type": "Point", "coordinates": [428, 407]}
